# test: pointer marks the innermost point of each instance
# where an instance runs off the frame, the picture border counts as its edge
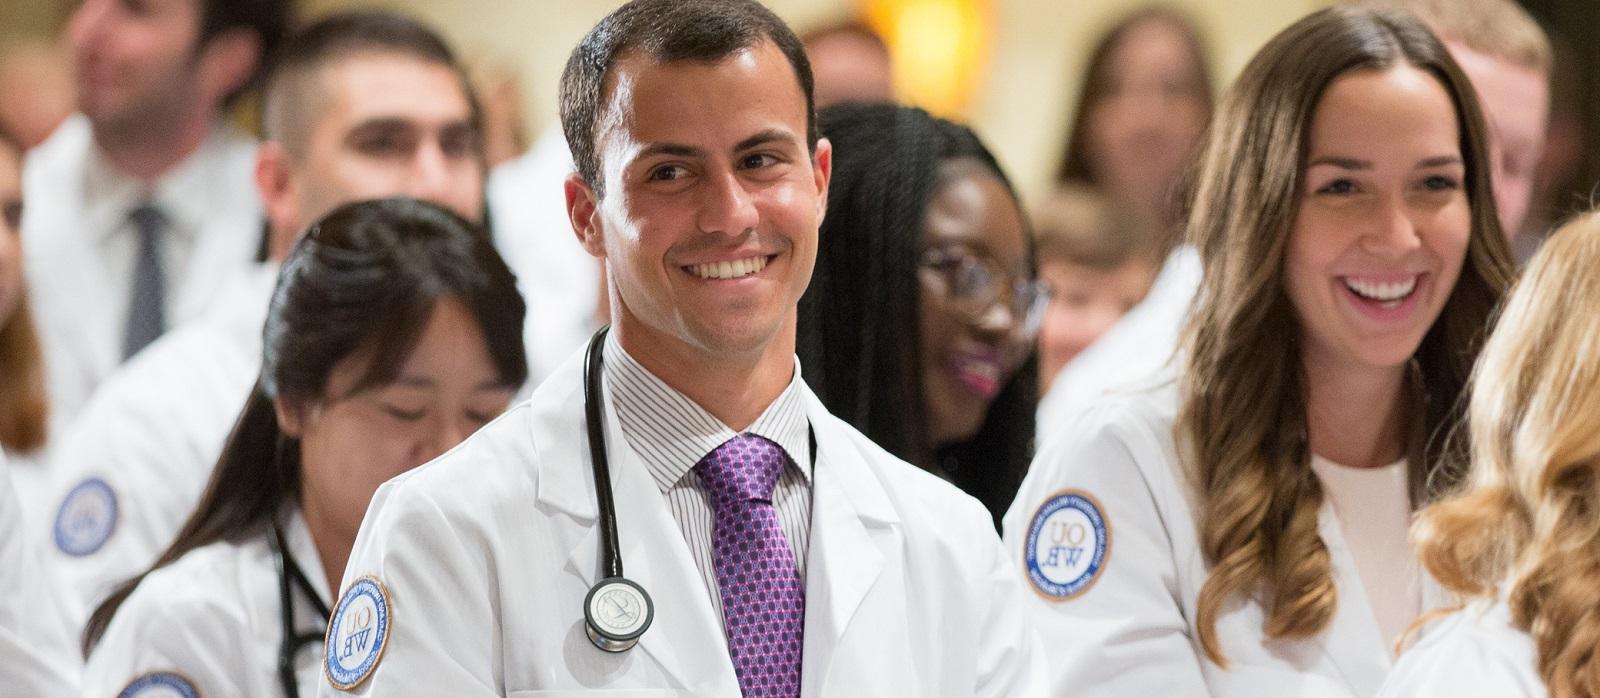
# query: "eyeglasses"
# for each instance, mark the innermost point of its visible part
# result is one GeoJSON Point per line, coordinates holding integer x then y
{"type": "Point", "coordinates": [977, 282]}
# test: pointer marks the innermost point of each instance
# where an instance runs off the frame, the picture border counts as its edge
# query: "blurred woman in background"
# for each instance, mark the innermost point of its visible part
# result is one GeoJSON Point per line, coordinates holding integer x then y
{"type": "Point", "coordinates": [1145, 101]}
{"type": "Point", "coordinates": [24, 408]}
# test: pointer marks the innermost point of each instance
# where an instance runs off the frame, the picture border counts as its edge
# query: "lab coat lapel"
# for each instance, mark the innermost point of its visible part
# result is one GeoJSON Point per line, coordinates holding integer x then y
{"type": "Point", "coordinates": [685, 637]}
{"type": "Point", "coordinates": [1352, 640]}
{"type": "Point", "coordinates": [855, 534]}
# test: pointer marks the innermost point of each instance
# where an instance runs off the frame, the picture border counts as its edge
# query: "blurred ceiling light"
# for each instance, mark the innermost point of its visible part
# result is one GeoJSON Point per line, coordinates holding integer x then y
{"type": "Point", "coordinates": [939, 49]}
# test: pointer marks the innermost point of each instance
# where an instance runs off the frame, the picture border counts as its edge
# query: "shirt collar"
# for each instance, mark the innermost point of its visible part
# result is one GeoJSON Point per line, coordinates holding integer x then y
{"type": "Point", "coordinates": [671, 433]}
{"type": "Point", "coordinates": [181, 194]}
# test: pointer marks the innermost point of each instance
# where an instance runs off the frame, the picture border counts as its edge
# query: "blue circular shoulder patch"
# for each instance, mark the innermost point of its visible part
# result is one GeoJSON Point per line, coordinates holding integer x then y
{"type": "Point", "coordinates": [86, 518]}
{"type": "Point", "coordinates": [1067, 545]}
{"type": "Point", "coordinates": [160, 684]}
{"type": "Point", "coordinates": [356, 634]}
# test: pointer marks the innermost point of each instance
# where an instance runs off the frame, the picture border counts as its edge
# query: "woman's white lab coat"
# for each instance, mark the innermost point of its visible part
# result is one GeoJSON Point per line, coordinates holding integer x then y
{"type": "Point", "coordinates": [1473, 652]}
{"type": "Point", "coordinates": [212, 620]}
{"type": "Point", "coordinates": [1129, 629]}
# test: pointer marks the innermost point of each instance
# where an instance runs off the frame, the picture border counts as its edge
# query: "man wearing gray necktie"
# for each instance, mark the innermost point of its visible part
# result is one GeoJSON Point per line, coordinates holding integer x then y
{"type": "Point", "coordinates": [147, 296]}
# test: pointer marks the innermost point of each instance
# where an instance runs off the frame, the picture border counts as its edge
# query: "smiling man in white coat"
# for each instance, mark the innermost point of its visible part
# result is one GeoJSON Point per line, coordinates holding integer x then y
{"type": "Point", "coordinates": [770, 549]}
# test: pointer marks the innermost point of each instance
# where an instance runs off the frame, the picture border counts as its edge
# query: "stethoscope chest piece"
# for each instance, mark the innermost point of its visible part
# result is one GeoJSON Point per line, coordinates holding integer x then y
{"type": "Point", "coordinates": [616, 612]}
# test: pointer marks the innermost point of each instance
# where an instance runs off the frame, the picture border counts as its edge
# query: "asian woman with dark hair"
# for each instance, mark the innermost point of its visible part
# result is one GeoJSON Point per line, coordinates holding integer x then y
{"type": "Point", "coordinates": [395, 331]}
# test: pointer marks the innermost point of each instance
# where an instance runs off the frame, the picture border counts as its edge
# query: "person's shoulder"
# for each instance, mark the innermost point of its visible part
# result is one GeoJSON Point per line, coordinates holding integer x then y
{"type": "Point", "coordinates": [64, 150]}
{"type": "Point", "coordinates": [1473, 651]}
{"type": "Point", "coordinates": [219, 583]}
{"type": "Point", "coordinates": [1135, 419]}
{"type": "Point", "coordinates": [501, 461]}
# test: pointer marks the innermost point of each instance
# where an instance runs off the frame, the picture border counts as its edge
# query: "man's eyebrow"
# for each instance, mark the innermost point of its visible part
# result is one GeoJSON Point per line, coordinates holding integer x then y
{"type": "Point", "coordinates": [674, 149]}
{"type": "Point", "coordinates": [382, 122]}
{"type": "Point", "coordinates": [764, 137]}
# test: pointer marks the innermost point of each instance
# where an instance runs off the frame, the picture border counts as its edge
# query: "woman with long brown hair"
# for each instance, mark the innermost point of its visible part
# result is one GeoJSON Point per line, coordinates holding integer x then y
{"type": "Point", "coordinates": [23, 403]}
{"type": "Point", "coordinates": [1521, 542]}
{"type": "Point", "coordinates": [1239, 529]}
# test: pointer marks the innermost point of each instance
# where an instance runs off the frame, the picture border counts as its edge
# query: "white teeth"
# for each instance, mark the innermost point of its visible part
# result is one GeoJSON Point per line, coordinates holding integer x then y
{"type": "Point", "coordinates": [728, 270]}
{"type": "Point", "coordinates": [1387, 293]}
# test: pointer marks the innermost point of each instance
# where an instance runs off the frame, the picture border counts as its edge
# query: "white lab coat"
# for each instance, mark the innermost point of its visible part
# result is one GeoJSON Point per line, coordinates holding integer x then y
{"type": "Point", "coordinates": [213, 618]}
{"type": "Point", "coordinates": [559, 280]}
{"type": "Point", "coordinates": [80, 275]}
{"type": "Point", "coordinates": [1473, 652]}
{"type": "Point", "coordinates": [488, 552]}
{"type": "Point", "coordinates": [1138, 346]}
{"type": "Point", "coordinates": [38, 655]}
{"type": "Point", "coordinates": [152, 433]}
{"type": "Point", "coordinates": [1132, 633]}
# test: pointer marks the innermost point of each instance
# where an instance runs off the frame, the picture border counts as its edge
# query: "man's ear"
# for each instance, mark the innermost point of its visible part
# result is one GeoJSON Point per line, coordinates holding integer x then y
{"type": "Point", "coordinates": [291, 416]}
{"type": "Point", "coordinates": [822, 170]}
{"type": "Point", "coordinates": [583, 210]}
{"type": "Point", "coordinates": [280, 196]}
{"type": "Point", "coordinates": [228, 60]}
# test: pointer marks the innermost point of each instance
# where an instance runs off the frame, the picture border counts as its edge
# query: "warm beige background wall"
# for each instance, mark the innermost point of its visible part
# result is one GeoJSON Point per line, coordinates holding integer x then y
{"type": "Point", "coordinates": [1021, 107]}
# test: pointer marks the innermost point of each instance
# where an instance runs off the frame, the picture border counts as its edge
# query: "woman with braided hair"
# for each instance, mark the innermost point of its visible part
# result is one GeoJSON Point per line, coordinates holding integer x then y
{"type": "Point", "coordinates": [918, 325]}
{"type": "Point", "coordinates": [1239, 529]}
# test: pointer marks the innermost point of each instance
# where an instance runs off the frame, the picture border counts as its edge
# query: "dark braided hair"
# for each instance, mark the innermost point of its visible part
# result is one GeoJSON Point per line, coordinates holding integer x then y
{"type": "Point", "coordinates": [859, 335]}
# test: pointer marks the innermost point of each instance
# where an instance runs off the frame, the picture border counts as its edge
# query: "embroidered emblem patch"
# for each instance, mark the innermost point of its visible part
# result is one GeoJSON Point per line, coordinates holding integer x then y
{"type": "Point", "coordinates": [356, 634]}
{"type": "Point", "coordinates": [86, 518]}
{"type": "Point", "coordinates": [1067, 545]}
{"type": "Point", "coordinates": [160, 684]}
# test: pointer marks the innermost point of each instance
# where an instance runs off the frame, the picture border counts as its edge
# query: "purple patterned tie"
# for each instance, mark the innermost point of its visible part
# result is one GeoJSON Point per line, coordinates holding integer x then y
{"type": "Point", "coordinates": [763, 601]}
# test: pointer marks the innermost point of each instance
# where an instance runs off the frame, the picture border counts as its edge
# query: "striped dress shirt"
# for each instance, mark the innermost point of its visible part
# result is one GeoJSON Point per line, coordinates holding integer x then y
{"type": "Point", "coordinates": [671, 433]}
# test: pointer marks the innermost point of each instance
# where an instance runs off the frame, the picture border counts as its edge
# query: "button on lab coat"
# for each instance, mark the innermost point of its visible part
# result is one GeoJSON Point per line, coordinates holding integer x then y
{"type": "Point", "coordinates": [486, 555]}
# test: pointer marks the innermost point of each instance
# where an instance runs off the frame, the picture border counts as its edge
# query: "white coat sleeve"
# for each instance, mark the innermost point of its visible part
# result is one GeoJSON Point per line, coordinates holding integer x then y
{"type": "Point", "coordinates": [1462, 661]}
{"type": "Point", "coordinates": [37, 655]}
{"type": "Point", "coordinates": [434, 569]}
{"type": "Point", "coordinates": [1011, 661]}
{"type": "Point", "coordinates": [171, 631]}
{"type": "Point", "coordinates": [1125, 632]}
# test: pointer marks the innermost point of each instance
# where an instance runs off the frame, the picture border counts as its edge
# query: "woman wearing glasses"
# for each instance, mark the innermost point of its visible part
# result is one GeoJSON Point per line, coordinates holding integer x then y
{"type": "Point", "coordinates": [1240, 530]}
{"type": "Point", "coordinates": [918, 325]}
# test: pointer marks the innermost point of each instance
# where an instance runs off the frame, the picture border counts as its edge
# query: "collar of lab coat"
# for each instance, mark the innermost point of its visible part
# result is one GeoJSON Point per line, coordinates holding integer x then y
{"type": "Point", "coordinates": [304, 550]}
{"type": "Point", "coordinates": [855, 529]}
{"type": "Point", "coordinates": [1354, 642]}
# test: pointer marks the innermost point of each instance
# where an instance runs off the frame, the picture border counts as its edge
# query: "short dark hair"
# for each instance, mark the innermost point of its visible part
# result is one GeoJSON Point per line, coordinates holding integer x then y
{"type": "Point", "coordinates": [270, 20]}
{"type": "Point", "coordinates": [340, 35]}
{"type": "Point", "coordinates": [667, 31]}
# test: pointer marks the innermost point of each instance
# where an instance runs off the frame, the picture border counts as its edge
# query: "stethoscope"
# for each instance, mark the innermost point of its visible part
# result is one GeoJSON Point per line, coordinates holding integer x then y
{"type": "Point", "coordinates": [616, 611]}
{"type": "Point", "coordinates": [290, 575]}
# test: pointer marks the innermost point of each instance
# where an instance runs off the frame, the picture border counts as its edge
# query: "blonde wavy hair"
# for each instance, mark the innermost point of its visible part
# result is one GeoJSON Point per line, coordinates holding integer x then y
{"type": "Point", "coordinates": [1242, 420]}
{"type": "Point", "coordinates": [1528, 519]}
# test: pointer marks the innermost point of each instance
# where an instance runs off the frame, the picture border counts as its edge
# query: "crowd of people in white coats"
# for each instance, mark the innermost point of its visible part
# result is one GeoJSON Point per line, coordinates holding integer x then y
{"type": "Point", "coordinates": [749, 381]}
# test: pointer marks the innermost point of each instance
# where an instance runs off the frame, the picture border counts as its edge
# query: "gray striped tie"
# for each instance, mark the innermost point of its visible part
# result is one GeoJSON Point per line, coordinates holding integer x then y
{"type": "Point", "coordinates": [146, 312]}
